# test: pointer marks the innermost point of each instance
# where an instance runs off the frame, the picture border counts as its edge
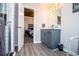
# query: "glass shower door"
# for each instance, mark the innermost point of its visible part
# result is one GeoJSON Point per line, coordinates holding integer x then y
{"type": "Point", "coordinates": [2, 30]}
{"type": "Point", "coordinates": [4, 14]}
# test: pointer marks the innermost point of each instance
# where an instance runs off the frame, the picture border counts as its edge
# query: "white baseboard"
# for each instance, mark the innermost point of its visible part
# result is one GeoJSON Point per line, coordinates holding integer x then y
{"type": "Point", "coordinates": [55, 49]}
{"type": "Point", "coordinates": [70, 52]}
{"type": "Point", "coordinates": [37, 41]}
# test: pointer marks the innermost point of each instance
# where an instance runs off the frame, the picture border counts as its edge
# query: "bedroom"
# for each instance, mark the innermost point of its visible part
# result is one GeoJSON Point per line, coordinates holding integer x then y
{"type": "Point", "coordinates": [28, 25]}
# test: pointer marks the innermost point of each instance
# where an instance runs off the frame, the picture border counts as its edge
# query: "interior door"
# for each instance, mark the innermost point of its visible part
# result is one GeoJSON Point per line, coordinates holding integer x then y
{"type": "Point", "coordinates": [20, 26]}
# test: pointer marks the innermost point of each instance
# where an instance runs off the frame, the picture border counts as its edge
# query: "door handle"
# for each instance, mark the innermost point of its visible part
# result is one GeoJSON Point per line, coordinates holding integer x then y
{"type": "Point", "coordinates": [19, 27]}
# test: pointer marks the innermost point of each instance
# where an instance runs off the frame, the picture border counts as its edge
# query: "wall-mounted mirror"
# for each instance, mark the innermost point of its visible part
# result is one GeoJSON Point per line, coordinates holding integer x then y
{"type": "Point", "coordinates": [59, 20]}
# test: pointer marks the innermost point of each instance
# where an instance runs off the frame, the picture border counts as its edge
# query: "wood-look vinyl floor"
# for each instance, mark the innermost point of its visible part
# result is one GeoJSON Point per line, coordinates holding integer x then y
{"type": "Point", "coordinates": [32, 49]}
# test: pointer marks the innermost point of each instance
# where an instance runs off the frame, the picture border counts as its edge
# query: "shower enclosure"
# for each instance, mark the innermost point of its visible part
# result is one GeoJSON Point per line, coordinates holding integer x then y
{"type": "Point", "coordinates": [6, 15]}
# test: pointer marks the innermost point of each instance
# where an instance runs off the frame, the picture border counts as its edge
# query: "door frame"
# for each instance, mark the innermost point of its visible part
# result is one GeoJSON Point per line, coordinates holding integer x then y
{"type": "Point", "coordinates": [33, 21]}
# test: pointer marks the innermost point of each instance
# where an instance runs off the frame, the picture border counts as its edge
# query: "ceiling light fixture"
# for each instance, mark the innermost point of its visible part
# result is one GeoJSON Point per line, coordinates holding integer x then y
{"type": "Point", "coordinates": [54, 6]}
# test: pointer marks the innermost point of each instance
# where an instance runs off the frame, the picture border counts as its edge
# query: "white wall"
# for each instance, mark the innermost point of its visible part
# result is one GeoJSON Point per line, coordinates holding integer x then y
{"type": "Point", "coordinates": [70, 27]}
{"type": "Point", "coordinates": [42, 15]}
{"type": "Point", "coordinates": [28, 20]}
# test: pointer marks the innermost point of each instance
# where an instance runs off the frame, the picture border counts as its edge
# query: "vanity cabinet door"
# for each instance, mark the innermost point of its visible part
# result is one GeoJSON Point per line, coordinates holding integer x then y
{"type": "Point", "coordinates": [48, 37]}
{"type": "Point", "coordinates": [55, 38]}
{"type": "Point", "coordinates": [42, 36]}
{"type": "Point", "coordinates": [45, 37]}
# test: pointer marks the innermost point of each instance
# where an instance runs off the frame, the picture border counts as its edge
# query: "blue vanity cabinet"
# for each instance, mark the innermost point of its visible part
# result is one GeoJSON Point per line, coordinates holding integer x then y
{"type": "Point", "coordinates": [50, 37]}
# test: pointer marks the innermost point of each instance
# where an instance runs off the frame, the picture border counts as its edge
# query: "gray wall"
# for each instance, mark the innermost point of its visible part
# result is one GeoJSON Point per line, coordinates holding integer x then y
{"type": "Point", "coordinates": [70, 28]}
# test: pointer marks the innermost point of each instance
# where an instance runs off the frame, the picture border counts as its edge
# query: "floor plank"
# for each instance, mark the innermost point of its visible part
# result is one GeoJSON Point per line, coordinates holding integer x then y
{"type": "Point", "coordinates": [32, 49]}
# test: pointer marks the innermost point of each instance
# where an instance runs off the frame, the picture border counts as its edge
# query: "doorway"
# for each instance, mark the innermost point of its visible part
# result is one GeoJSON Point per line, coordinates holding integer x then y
{"type": "Point", "coordinates": [28, 25]}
